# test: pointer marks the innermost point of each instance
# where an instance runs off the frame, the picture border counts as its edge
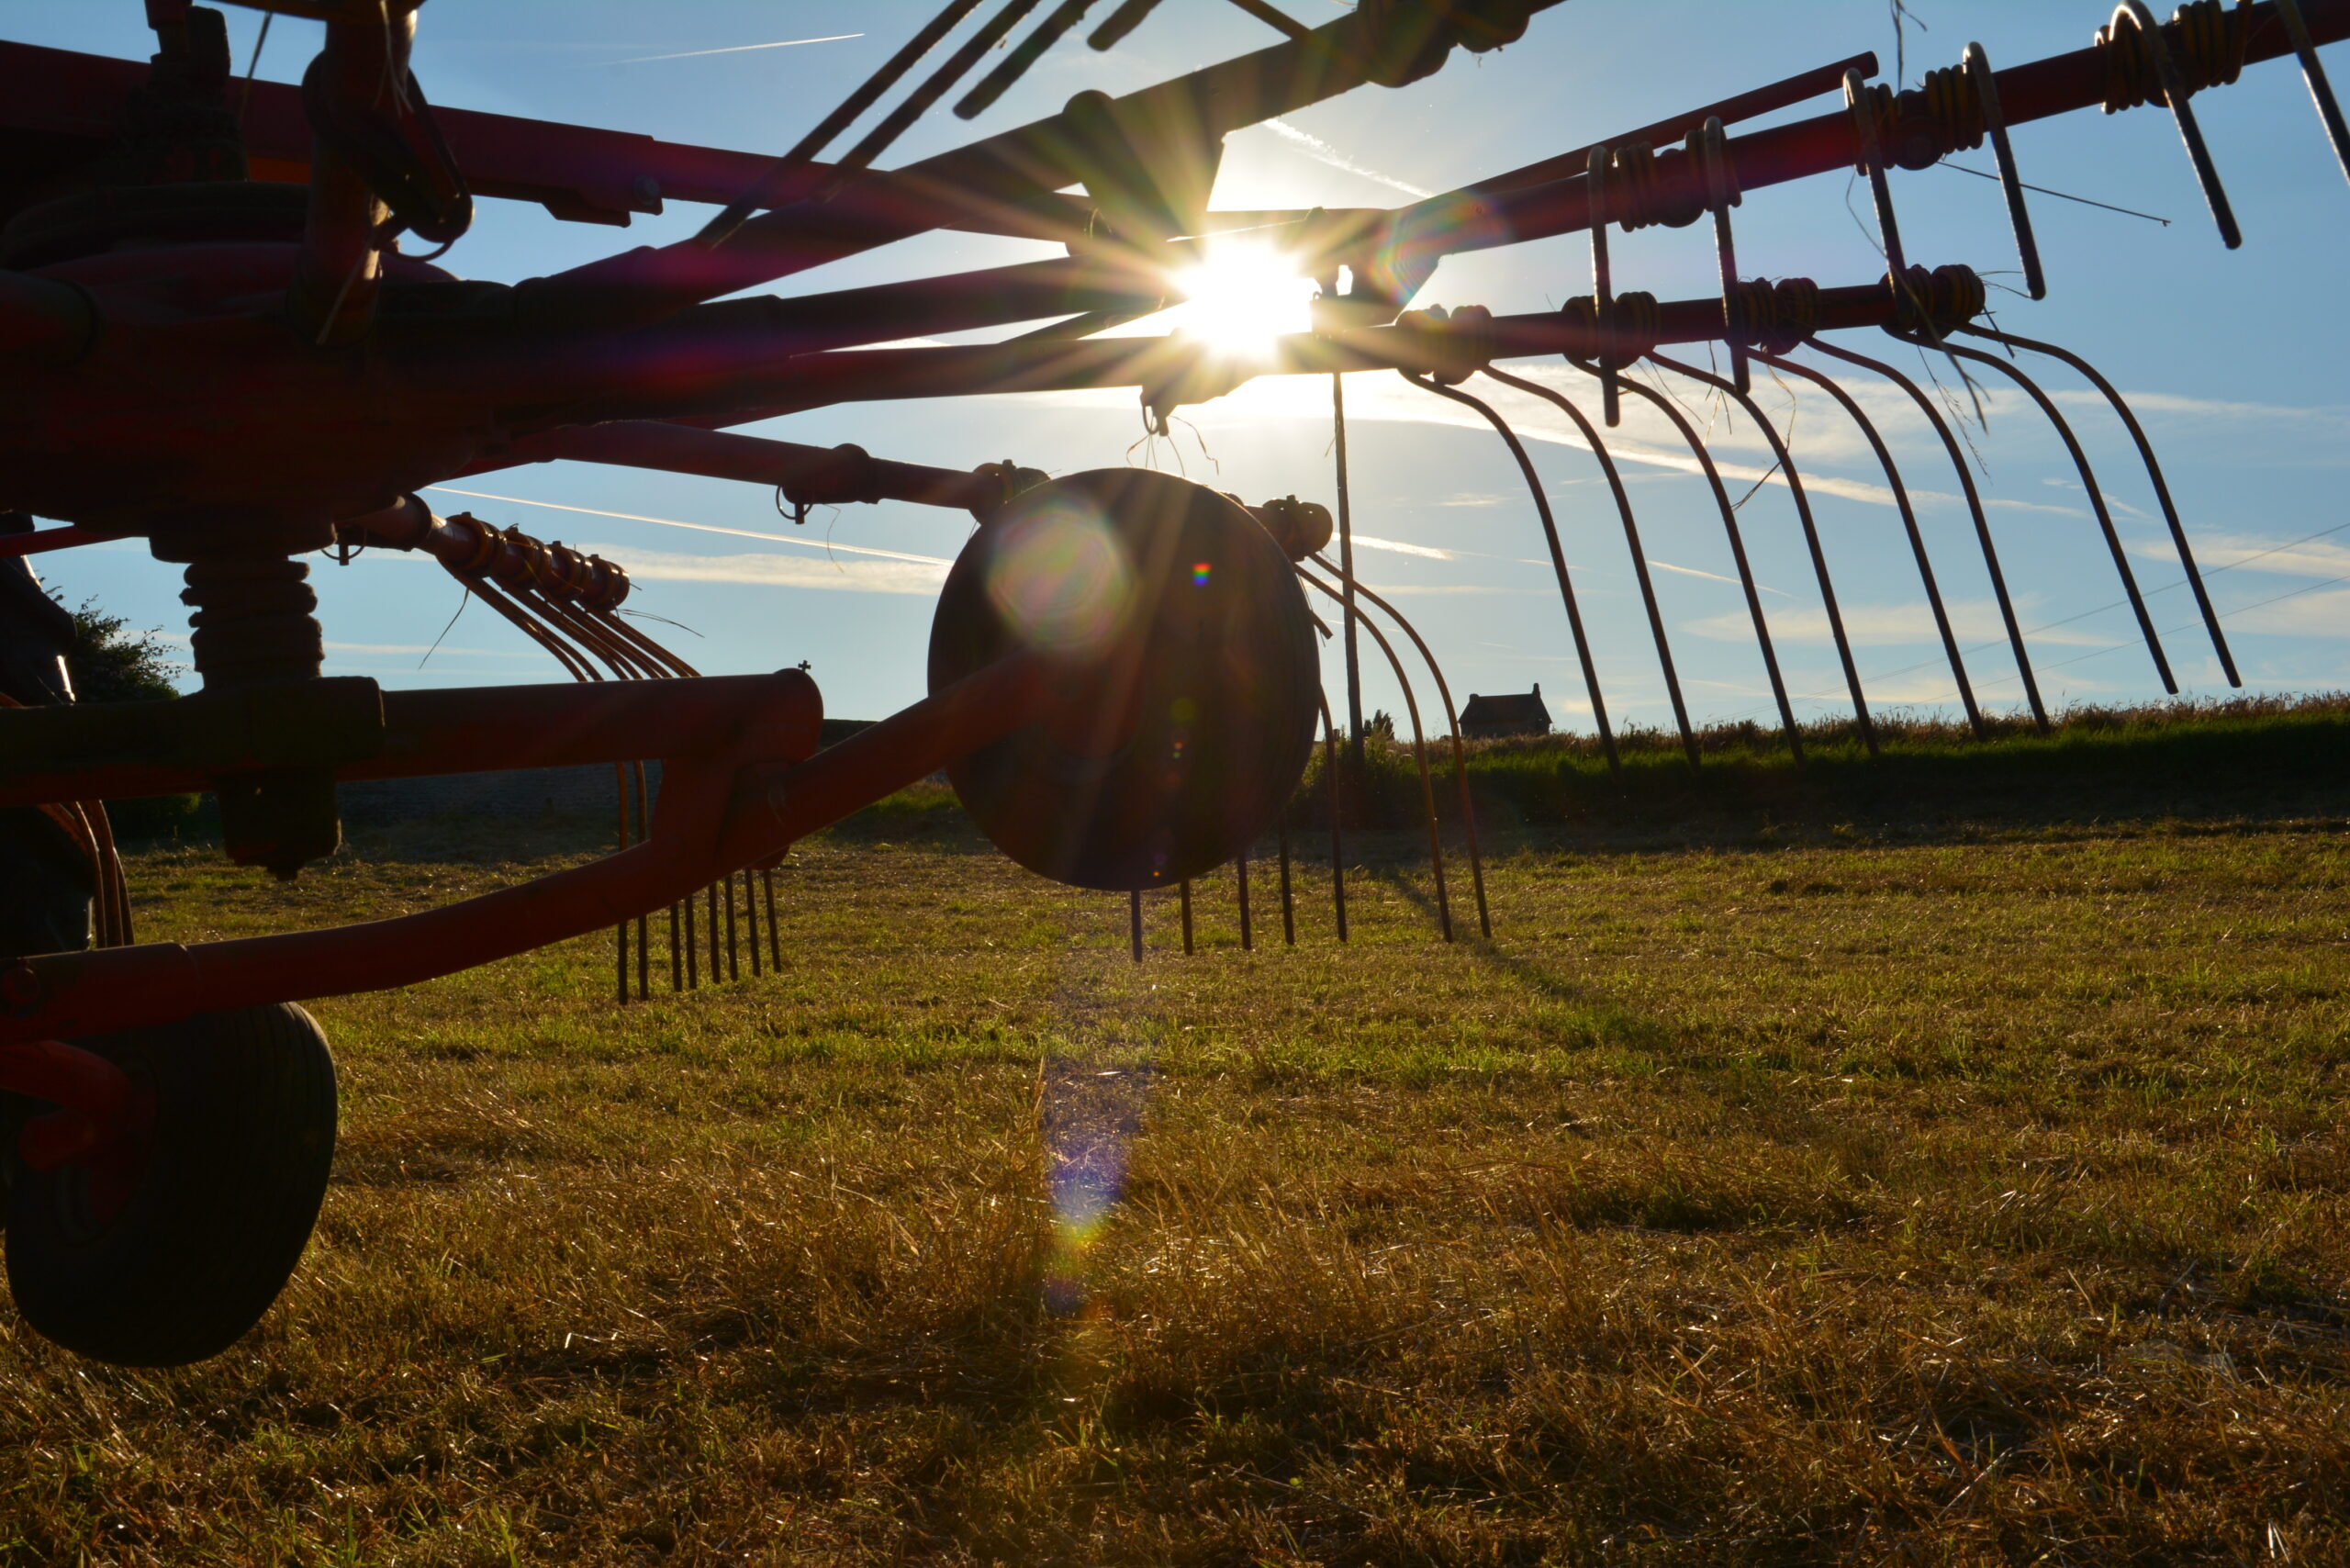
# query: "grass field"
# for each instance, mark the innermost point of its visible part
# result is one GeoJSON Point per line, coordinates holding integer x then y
{"type": "Point", "coordinates": [1773, 1191]}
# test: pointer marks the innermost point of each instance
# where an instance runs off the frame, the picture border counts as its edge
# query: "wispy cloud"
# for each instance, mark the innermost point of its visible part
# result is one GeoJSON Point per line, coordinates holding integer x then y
{"type": "Point", "coordinates": [2251, 552]}
{"type": "Point", "coordinates": [1396, 546]}
{"type": "Point", "coordinates": [1320, 152]}
{"type": "Point", "coordinates": [735, 49]}
{"type": "Point", "coordinates": [779, 571]}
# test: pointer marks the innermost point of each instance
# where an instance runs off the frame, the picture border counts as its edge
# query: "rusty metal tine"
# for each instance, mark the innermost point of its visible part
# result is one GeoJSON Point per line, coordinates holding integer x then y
{"type": "Point", "coordinates": [620, 932]}
{"type": "Point", "coordinates": [734, 946]}
{"type": "Point", "coordinates": [1873, 164]}
{"type": "Point", "coordinates": [2329, 112]}
{"type": "Point", "coordinates": [1337, 845]}
{"type": "Point", "coordinates": [644, 921]}
{"type": "Point", "coordinates": [692, 946]}
{"type": "Point", "coordinates": [2174, 94]}
{"type": "Point", "coordinates": [1708, 142]}
{"type": "Point", "coordinates": [751, 923]}
{"type": "Point", "coordinates": [1419, 752]}
{"type": "Point", "coordinates": [676, 952]}
{"type": "Point", "coordinates": [2154, 472]}
{"type": "Point", "coordinates": [1288, 902]}
{"type": "Point", "coordinates": [1346, 555]}
{"type": "Point", "coordinates": [1994, 121]}
{"type": "Point", "coordinates": [1917, 537]}
{"type": "Point", "coordinates": [1248, 937]}
{"type": "Point", "coordinates": [1558, 556]}
{"type": "Point", "coordinates": [1460, 751]}
{"type": "Point", "coordinates": [1973, 506]}
{"type": "Point", "coordinates": [774, 940]}
{"type": "Point", "coordinates": [1186, 897]}
{"type": "Point", "coordinates": [2088, 482]}
{"type": "Point", "coordinates": [1134, 920]}
{"type": "Point", "coordinates": [1631, 538]}
{"type": "Point", "coordinates": [1737, 549]}
{"type": "Point", "coordinates": [1810, 538]}
{"type": "Point", "coordinates": [1603, 285]}
{"type": "Point", "coordinates": [717, 963]}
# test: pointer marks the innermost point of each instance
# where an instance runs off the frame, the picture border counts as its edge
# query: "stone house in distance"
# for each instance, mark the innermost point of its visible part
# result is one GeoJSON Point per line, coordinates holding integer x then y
{"type": "Point", "coordinates": [1507, 714]}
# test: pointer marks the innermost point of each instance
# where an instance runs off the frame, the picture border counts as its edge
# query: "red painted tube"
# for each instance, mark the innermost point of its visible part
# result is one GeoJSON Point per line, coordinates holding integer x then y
{"type": "Point", "coordinates": [717, 455]}
{"type": "Point", "coordinates": [33, 543]}
{"type": "Point", "coordinates": [737, 806]}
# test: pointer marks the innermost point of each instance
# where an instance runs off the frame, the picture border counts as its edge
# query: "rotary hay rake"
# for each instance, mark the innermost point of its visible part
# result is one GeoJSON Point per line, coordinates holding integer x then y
{"type": "Point", "coordinates": [217, 344]}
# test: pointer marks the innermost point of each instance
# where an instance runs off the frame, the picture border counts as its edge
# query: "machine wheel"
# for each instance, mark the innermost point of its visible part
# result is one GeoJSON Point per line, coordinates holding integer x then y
{"type": "Point", "coordinates": [166, 1244]}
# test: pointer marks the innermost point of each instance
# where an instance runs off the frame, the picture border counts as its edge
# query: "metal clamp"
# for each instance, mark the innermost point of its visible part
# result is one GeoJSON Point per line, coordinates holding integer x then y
{"type": "Point", "coordinates": [2174, 94]}
{"type": "Point", "coordinates": [1987, 95]}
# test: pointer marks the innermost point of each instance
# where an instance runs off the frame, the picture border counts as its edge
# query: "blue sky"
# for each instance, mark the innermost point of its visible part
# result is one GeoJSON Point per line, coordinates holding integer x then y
{"type": "Point", "coordinates": [2234, 361]}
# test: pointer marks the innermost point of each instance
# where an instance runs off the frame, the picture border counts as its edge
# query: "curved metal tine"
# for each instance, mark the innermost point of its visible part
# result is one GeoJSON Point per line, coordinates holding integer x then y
{"type": "Point", "coordinates": [1973, 506]}
{"type": "Point", "coordinates": [1810, 536]}
{"type": "Point", "coordinates": [1709, 145]}
{"type": "Point", "coordinates": [1873, 165]}
{"type": "Point", "coordinates": [1994, 121]}
{"type": "Point", "coordinates": [1338, 846]}
{"type": "Point", "coordinates": [2154, 472]}
{"type": "Point", "coordinates": [1558, 557]}
{"type": "Point", "coordinates": [1419, 748]}
{"type": "Point", "coordinates": [2089, 481]}
{"type": "Point", "coordinates": [1603, 285]}
{"type": "Point", "coordinates": [1452, 721]}
{"type": "Point", "coordinates": [1737, 550]}
{"type": "Point", "coordinates": [2314, 71]}
{"type": "Point", "coordinates": [1917, 539]}
{"type": "Point", "coordinates": [2174, 94]}
{"type": "Point", "coordinates": [1631, 538]}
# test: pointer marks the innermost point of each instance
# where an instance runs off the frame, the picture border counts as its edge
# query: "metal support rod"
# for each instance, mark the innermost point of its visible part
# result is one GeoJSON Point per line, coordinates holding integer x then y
{"type": "Point", "coordinates": [1872, 160]}
{"type": "Point", "coordinates": [2154, 473]}
{"type": "Point", "coordinates": [1184, 898]}
{"type": "Point", "coordinates": [1558, 558]}
{"type": "Point", "coordinates": [2329, 112]}
{"type": "Point", "coordinates": [1337, 844]}
{"type": "Point", "coordinates": [1975, 509]}
{"type": "Point", "coordinates": [733, 950]}
{"type": "Point", "coordinates": [1289, 901]}
{"type": "Point", "coordinates": [2088, 482]}
{"type": "Point", "coordinates": [644, 921]}
{"type": "Point", "coordinates": [692, 947]}
{"type": "Point", "coordinates": [1460, 751]}
{"type": "Point", "coordinates": [1347, 556]}
{"type": "Point", "coordinates": [1737, 550]}
{"type": "Point", "coordinates": [1810, 537]}
{"type": "Point", "coordinates": [1419, 753]}
{"type": "Point", "coordinates": [775, 939]}
{"type": "Point", "coordinates": [1134, 920]}
{"type": "Point", "coordinates": [717, 959]}
{"type": "Point", "coordinates": [677, 949]}
{"type": "Point", "coordinates": [1710, 146]}
{"type": "Point", "coordinates": [1603, 285]}
{"type": "Point", "coordinates": [751, 923]}
{"type": "Point", "coordinates": [1917, 538]}
{"type": "Point", "coordinates": [1977, 66]}
{"type": "Point", "coordinates": [1632, 541]}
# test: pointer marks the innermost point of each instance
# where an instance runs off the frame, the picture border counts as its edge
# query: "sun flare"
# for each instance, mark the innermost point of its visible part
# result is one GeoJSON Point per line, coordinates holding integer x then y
{"type": "Point", "coordinates": [1242, 297]}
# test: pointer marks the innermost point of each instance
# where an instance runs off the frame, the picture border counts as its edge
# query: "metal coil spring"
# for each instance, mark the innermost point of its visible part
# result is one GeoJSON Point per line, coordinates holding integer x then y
{"type": "Point", "coordinates": [1639, 325]}
{"type": "Point", "coordinates": [1639, 197]}
{"type": "Point", "coordinates": [1781, 315]}
{"type": "Point", "coordinates": [2207, 40]}
{"type": "Point", "coordinates": [1935, 301]}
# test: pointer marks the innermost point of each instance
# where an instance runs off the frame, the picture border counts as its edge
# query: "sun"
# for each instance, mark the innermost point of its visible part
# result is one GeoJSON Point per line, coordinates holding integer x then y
{"type": "Point", "coordinates": [1242, 295]}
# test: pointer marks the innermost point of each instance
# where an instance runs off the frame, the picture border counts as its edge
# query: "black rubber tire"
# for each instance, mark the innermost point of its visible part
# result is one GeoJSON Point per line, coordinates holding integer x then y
{"type": "Point", "coordinates": [218, 1209]}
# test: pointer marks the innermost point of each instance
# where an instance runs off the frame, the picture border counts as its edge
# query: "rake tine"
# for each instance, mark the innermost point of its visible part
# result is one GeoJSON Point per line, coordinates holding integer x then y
{"type": "Point", "coordinates": [1872, 164]}
{"type": "Point", "coordinates": [2154, 472]}
{"type": "Point", "coordinates": [717, 965]}
{"type": "Point", "coordinates": [1024, 53]}
{"type": "Point", "coordinates": [1337, 845]}
{"type": "Point", "coordinates": [1917, 539]}
{"type": "Point", "coordinates": [1737, 549]}
{"type": "Point", "coordinates": [1419, 749]}
{"type": "Point", "coordinates": [733, 950]}
{"type": "Point", "coordinates": [1708, 145]}
{"type": "Point", "coordinates": [751, 923]}
{"type": "Point", "coordinates": [1134, 920]}
{"type": "Point", "coordinates": [1810, 536]}
{"type": "Point", "coordinates": [1289, 901]}
{"type": "Point", "coordinates": [1558, 556]}
{"type": "Point", "coordinates": [2314, 71]}
{"type": "Point", "coordinates": [1973, 505]}
{"type": "Point", "coordinates": [1184, 893]}
{"type": "Point", "coordinates": [644, 921]}
{"type": "Point", "coordinates": [1603, 286]}
{"type": "Point", "coordinates": [1460, 751]}
{"type": "Point", "coordinates": [1631, 538]}
{"type": "Point", "coordinates": [676, 952]}
{"type": "Point", "coordinates": [691, 945]}
{"type": "Point", "coordinates": [1122, 20]}
{"type": "Point", "coordinates": [1985, 82]}
{"type": "Point", "coordinates": [2174, 94]}
{"type": "Point", "coordinates": [774, 938]}
{"type": "Point", "coordinates": [2089, 481]}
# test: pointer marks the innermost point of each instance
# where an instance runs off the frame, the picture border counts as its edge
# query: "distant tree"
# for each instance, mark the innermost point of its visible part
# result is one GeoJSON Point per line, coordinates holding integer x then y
{"type": "Point", "coordinates": [1381, 727]}
{"type": "Point", "coordinates": [111, 663]}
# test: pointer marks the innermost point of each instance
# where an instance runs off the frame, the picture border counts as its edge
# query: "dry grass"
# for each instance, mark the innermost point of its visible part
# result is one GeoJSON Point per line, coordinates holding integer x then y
{"type": "Point", "coordinates": [1955, 1198]}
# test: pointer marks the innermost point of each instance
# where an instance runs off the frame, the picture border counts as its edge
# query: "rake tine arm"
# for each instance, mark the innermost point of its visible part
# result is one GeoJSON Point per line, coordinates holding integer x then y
{"type": "Point", "coordinates": [2088, 482]}
{"type": "Point", "coordinates": [1419, 744]}
{"type": "Point", "coordinates": [1631, 539]}
{"type": "Point", "coordinates": [1737, 549]}
{"type": "Point", "coordinates": [720, 454]}
{"type": "Point", "coordinates": [1810, 535]}
{"type": "Point", "coordinates": [1973, 507]}
{"type": "Point", "coordinates": [1917, 538]}
{"type": "Point", "coordinates": [2154, 472]}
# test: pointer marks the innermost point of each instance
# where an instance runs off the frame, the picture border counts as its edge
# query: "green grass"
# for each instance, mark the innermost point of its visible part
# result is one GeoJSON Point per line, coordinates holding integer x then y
{"type": "Point", "coordinates": [1918, 1187]}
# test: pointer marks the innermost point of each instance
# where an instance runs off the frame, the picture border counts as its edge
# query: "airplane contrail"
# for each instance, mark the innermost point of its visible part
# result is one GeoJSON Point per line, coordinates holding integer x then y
{"type": "Point", "coordinates": [737, 49]}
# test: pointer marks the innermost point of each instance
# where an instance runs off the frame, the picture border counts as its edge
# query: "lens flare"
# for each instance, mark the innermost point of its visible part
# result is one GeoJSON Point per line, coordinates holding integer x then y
{"type": "Point", "coordinates": [1061, 579]}
{"type": "Point", "coordinates": [1242, 297]}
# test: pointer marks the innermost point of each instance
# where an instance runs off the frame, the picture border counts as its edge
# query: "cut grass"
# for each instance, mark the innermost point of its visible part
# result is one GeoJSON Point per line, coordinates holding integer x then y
{"type": "Point", "coordinates": [1962, 1195]}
